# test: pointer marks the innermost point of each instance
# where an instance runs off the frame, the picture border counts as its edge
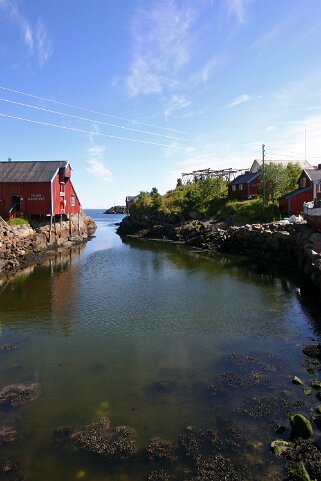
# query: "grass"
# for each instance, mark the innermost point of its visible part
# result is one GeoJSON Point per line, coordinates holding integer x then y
{"type": "Point", "coordinates": [18, 221]}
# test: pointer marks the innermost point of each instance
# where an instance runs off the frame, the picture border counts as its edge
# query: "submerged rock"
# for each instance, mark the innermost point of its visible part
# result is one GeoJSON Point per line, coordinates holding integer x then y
{"type": "Point", "coordinates": [304, 451]}
{"type": "Point", "coordinates": [64, 434]}
{"type": "Point", "coordinates": [97, 438]}
{"type": "Point", "coordinates": [215, 468]}
{"type": "Point", "coordinates": [316, 384]}
{"type": "Point", "coordinates": [301, 426]}
{"type": "Point", "coordinates": [8, 347]}
{"type": "Point", "coordinates": [161, 449]}
{"type": "Point", "coordinates": [313, 351]}
{"type": "Point", "coordinates": [7, 465]}
{"type": "Point", "coordinates": [18, 394]}
{"type": "Point", "coordinates": [7, 435]}
{"type": "Point", "coordinates": [159, 475]}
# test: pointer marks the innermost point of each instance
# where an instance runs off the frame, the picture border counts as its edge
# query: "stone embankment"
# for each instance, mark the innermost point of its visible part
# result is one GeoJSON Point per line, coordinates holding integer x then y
{"type": "Point", "coordinates": [295, 246]}
{"type": "Point", "coordinates": [20, 246]}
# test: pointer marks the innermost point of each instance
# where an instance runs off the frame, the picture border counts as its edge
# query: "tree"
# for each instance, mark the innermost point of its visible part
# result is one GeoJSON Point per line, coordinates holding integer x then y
{"type": "Point", "coordinates": [280, 180]}
{"type": "Point", "coordinates": [293, 174]}
{"type": "Point", "coordinates": [179, 182]}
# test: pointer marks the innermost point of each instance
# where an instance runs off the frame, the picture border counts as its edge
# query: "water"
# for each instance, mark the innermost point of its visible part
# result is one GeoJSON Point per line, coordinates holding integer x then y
{"type": "Point", "coordinates": [137, 331]}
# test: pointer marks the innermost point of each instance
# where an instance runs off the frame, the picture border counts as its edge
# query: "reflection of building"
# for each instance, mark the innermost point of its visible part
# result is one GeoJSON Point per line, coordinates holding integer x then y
{"type": "Point", "coordinates": [34, 298]}
{"type": "Point", "coordinates": [37, 188]}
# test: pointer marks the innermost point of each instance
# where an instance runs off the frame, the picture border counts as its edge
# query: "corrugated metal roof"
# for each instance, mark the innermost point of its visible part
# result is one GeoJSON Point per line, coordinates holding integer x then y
{"type": "Point", "coordinates": [244, 178]}
{"type": "Point", "coordinates": [30, 171]}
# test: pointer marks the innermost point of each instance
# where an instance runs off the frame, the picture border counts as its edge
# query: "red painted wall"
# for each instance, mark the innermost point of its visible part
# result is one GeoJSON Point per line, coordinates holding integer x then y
{"type": "Point", "coordinates": [58, 200]}
{"type": "Point", "coordinates": [35, 197]}
{"type": "Point", "coordinates": [294, 205]}
{"type": "Point", "coordinates": [249, 190]}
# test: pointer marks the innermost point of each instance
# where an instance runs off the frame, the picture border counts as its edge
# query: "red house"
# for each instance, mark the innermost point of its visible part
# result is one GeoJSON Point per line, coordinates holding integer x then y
{"type": "Point", "coordinates": [37, 188]}
{"type": "Point", "coordinates": [245, 186]}
{"type": "Point", "coordinates": [292, 203]}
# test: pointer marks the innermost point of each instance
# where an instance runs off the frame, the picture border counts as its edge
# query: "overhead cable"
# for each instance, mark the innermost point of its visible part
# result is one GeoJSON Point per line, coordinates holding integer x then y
{"type": "Point", "coordinates": [85, 131]}
{"type": "Point", "coordinates": [92, 111]}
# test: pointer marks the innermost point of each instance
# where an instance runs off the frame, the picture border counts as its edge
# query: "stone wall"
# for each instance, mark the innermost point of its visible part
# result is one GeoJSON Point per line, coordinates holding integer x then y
{"type": "Point", "coordinates": [22, 245]}
{"type": "Point", "coordinates": [295, 246]}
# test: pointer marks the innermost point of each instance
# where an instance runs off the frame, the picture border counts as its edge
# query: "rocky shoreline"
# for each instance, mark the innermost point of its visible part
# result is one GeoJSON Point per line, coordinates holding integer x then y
{"type": "Point", "coordinates": [20, 246]}
{"type": "Point", "coordinates": [296, 247]}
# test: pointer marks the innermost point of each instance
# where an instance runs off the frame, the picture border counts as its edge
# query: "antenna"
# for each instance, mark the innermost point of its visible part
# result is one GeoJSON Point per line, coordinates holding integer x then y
{"type": "Point", "coordinates": [305, 142]}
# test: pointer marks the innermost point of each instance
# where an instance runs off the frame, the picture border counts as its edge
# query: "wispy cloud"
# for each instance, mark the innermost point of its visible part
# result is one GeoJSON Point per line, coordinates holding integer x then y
{"type": "Point", "coordinates": [161, 46]}
{"type": "Point", "coordinates": [96, 166]}
{"type": "Point", "coordinates": [238, 8]}
{"type": "Point", "coordinates": [239, 100]}
{"type": "Point", "coordinates": [177, 102]}
{"type": "Point", "coordinates": [35, 37]}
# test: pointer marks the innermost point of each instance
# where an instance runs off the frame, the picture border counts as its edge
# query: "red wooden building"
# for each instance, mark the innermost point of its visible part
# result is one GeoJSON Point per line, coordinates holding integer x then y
{"type": "Point", "coordinates": [37, 188]}
{"type": "Point", "coordinates": [245, 186]}
{"type": "Point", "coordinates": [292, 203]}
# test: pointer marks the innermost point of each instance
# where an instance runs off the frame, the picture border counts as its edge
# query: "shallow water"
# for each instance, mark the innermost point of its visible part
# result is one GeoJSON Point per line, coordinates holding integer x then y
{"type": "Point", "coordinates": [101, 326]}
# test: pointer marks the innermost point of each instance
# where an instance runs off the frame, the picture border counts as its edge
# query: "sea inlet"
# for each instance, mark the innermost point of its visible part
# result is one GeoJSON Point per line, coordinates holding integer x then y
{"type": "Point", "coordinates": [174, 344]}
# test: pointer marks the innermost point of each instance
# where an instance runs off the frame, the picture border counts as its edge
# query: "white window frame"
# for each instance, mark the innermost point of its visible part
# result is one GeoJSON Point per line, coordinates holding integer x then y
{"type": "Point", "coordinates": [72, 200]}
{"type": "Point", "coordinates": [240, 186]}
{"type": "Point", "coordinates": [233, 188]}
{"type": "Point", "coordinates": [319, 187]}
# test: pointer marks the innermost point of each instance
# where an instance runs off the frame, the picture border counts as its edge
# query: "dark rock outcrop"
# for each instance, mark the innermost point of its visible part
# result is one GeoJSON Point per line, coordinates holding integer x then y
{"type": "Point", "coordinates": [16, 395]}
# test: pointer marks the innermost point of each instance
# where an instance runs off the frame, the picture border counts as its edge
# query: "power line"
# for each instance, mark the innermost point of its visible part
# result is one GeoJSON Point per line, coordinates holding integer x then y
{"type": "Point", "coordinates": [84, 131]}
{"type": "Point", "coordinates": [92, 111]}
{"type": "Point", "coordinates": [90, 120]}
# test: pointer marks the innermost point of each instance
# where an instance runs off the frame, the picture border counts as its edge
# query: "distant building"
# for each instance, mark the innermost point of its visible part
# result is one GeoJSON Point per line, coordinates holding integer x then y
{"type": "Point", "coordinates": [37, 188]}
{"type": "Point", "coordinates": [247, 185]}
{"type": "Point", "coordinates": [129, 200]}
{"type": "Point", "coordinates": [292, 203]}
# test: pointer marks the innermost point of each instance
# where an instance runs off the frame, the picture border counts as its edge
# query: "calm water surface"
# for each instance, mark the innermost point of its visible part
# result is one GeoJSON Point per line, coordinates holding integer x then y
{"type": "Point", "coordinates": [100, 327]}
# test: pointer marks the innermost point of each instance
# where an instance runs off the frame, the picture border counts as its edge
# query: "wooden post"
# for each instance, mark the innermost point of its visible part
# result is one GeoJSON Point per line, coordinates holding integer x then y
{"type": "Point", "coordinates": [60, 223]}
{"type": "Point", "coordinates": [70, 224]}
{"type": "Point", "coordinates": [78, 223]}
{"type": "Point", "coordinates": [50, 229]}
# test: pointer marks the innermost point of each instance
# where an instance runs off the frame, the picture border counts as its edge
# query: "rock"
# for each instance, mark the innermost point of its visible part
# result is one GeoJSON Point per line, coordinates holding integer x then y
{"type": "Point", "coordinates": [307, 391]}
{"type": "Point", "coordinates": [280, 447]}
{"type": "Point", "coordinates": [317, 421]}
{"type": "Point", "coordinates": [7, 435]}
{"type": "Point", "coordinates": [318, 409]}
{"type": "Point", "coordinates": [7, 465]}
{"type": "Point", "coordinates": [297, 380]}
{"type": "Point", "coordinates": [313, 350]}
{"type": "Point", "coordinates": [18, 394]}
{"type": "Point", "coordinates": [9, 347]}
{"type": "Point", "coordinates": [316, 384]}
{"type": "Point", "coordinates": [299, 473]}
{"type": "Point", "coordinates": [64, 434]}
{"type": "Point", "coordinates": [97, 438]}
{"type": "Point", "coordinates": [301, 426]}
{"type": "Point", "coordinates": [161, 449]}
{"type": "Point", "coordinates": [159, 475]}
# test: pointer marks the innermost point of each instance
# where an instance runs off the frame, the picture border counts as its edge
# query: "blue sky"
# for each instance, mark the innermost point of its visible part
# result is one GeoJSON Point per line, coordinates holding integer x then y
{"type": "Point", "coordinates": [192, 83]}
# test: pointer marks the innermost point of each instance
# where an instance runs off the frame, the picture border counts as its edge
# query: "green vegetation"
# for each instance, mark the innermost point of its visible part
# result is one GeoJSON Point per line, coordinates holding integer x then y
{"type": "Point", "coordinates": [18, 221]}
{"type": "Point", "coordinates": [209, 197]}
{"type": "Point", "coordinates": [280, 180]}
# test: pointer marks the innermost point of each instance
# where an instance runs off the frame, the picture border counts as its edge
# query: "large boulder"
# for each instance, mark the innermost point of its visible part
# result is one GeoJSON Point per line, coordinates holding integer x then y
{"type": "Point", "coordinates": [301, 426]}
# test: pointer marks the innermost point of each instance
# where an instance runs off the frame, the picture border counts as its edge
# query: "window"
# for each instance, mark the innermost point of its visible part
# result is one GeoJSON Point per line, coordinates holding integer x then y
{"type": "Point", "coordinates": [233, 187]}
{"type": "Point", "coordinates": [319, 188]}
{"type": "Point", "coordinates": [241, 187]}
{"type": "Point", "coordinates": [72, 200]}
{"type": "Point", "coordinates": [303, 182]}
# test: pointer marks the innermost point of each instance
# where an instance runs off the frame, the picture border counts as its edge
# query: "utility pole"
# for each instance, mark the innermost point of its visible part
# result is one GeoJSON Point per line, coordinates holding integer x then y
{"type": "Point", "coordinates": [263, 173]}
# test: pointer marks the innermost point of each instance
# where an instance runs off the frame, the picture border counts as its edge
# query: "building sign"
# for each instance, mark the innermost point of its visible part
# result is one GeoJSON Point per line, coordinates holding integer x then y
{"type": "Point", "coordinates": [36, 197]}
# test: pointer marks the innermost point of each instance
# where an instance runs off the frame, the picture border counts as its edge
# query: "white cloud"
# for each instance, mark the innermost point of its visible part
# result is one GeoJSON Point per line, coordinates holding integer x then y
{"type": "Point", "coordinates": [96, 166]}
{"type": "Point", "coordinates": [237, 8]}
{"type": "Point", "coordinates": [35, 37]}
{"type": "Point", "coordinates": [239, 100]}
{"type": "Point", "coordinates": [161, 46]}
{"type": "Point", "coordinates": [177, 102]}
